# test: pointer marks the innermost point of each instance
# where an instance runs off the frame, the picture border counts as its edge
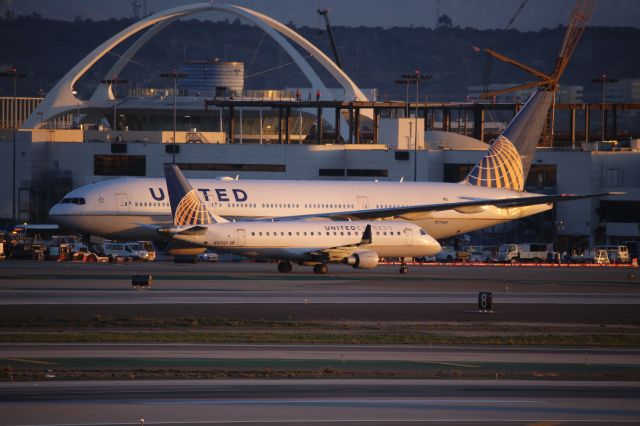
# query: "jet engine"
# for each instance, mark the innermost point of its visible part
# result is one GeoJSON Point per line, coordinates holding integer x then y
{"type": "Point", "coordinates": [364, 259]}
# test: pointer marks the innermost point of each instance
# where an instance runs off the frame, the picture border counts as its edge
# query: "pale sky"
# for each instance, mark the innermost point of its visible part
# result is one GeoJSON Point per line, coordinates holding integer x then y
{"type": "Point", "coordinates": [482, 14]}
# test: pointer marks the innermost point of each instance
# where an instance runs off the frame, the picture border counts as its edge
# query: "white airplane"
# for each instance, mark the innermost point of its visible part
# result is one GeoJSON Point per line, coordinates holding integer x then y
{"type": "Point", "coordinates": [356, 243]}
{"type": "Point", "coordinates": [492, 193]}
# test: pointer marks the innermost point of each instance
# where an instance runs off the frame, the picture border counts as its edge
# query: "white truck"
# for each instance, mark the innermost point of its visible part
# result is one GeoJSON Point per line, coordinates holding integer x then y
{"type": "Point", "coordinates": [527, 252]}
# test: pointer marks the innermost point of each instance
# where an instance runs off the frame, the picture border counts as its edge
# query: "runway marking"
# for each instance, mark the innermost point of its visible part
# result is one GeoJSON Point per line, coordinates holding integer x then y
{"type": "Point", "coordinates": [546, 423]}
{"type": "Point", "coordinates": [453, 364]}
{"type": "Point", "coordinates": [29, 361]}
{"type": "Point", "coordinates": [355, 401]}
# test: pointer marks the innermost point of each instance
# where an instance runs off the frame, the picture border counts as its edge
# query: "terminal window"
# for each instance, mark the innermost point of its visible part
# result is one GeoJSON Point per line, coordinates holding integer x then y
{"type": "Point", "coordinates": [542, 176]}
{"type": "Point", "coordinates": [455, 172]}
{"type": "Point", "coordinates": [619, 211]}
{"type": "Point", "coordinates": [331, 172]}
{"type": "Point", "coordinates": [368, 172]}
{"type": "Point", "coordinates": [119, 165]}
{"type": "Point", "coordinates": [221, 167]}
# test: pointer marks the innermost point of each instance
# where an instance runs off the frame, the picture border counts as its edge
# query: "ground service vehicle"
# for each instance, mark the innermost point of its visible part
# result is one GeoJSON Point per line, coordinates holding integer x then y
{"type": "Point", "coordinates": [126, 251]}
{"type": "Point", "coordinates": [480, 254]}
{"type": "Point", "coordinates": [598, 256]}
{"type": "Point", "coordinates": [527, 252]}
{"type": "Point", "coordinates": [617, 254]}
{"type": "Point", "coordinates": [448, 254]}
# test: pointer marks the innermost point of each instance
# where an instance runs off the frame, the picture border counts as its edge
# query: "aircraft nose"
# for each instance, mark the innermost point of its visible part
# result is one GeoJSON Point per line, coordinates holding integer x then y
{"type": "Point", "coordinates": [433, 245]}
{"type": "Point", "coordinates": [60, 216]}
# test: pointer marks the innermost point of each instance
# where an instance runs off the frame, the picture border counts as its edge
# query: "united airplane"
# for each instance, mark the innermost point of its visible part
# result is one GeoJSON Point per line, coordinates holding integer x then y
{"type": "Point", "coordinates": [356, 243]}
{"type": "Point", "coordinates": [492, 193]}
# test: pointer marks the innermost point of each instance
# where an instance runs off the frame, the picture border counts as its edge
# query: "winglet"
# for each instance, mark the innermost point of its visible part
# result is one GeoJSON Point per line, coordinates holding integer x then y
{"type": "Point", "coordinates": [366, 235]}
{"type": "Point", "coordinates": [186, 207]}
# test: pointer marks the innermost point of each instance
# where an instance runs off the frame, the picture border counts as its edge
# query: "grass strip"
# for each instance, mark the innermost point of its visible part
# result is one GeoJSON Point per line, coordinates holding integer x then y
{"type": "Point", "coordinates": [591, 340]}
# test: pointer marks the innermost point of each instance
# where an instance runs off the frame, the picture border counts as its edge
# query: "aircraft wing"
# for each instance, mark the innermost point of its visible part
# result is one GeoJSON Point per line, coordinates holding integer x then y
{"type": "Point", "coordinates": [470, 205]}
{"type": "Point", "coordinates": [336, 254]}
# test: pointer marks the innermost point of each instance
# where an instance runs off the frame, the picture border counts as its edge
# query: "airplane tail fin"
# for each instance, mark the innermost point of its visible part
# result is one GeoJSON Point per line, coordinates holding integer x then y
{"type": "Point", "coordinates": [507, 162]}
{"type": "Point", "coordinates": [186, 207]}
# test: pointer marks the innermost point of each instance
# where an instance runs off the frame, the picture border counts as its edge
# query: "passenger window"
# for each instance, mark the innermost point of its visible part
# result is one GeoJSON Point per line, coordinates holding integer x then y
{"type": "Point", "coordinates": [289, 233]}
{"type": "Point", "coordinates": [253, 234]}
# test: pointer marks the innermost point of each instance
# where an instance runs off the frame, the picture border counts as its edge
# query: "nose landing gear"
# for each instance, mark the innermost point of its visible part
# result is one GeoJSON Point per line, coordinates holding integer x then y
{"type": "Point", "coordinates": [403, 266]}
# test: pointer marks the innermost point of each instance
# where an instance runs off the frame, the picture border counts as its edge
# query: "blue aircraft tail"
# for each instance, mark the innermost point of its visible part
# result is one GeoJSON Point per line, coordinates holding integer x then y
{"type": "Point", "coordinates": [186, 207]}
{"type": "Point", "coordinates": [507, 162]}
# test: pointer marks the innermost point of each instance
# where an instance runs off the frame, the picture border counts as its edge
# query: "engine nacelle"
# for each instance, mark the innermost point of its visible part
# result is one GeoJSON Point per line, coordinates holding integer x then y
{"type": "Point", "coordinates": [364, 259]}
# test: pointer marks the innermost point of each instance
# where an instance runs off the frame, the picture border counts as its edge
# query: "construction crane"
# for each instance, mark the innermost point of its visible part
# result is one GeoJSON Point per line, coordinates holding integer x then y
{"type": "Point", "coordinates": [575, 28]}
{"type": "Point", "coordinates": [582, 11]}
{"type": "Point", "coordinates": [325, 14]}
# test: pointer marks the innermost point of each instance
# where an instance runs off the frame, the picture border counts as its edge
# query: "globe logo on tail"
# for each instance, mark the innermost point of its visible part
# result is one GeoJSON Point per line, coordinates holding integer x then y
{"type": "Point", "coordinates": [501, 167]}
{"type": "Point", "coordinates": [191, 211]}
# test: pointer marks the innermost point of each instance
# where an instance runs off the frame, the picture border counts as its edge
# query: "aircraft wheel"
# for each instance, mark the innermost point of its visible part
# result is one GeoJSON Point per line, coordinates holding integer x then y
{"type": "Point", "coordinates": [285, 267]}
{"type": "Point", "coordinates": [320, 268]}
{"type": "Point", "coordinates": [404, 269]}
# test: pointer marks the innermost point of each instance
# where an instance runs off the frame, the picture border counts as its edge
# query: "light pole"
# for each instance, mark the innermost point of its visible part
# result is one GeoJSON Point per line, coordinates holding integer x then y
{"type": "Point", "coordinates": [75, 93]}
{"type": "Point", "coordinates": [175, 75]}
{"type": "Point", "coordinates": [114, 82]}
{"type": "Point", "coordinates": [15, 75]}
{"type": "Point", "coordinates": [604, 80]}
{"type": "Point", "coordinates": [408, 79]}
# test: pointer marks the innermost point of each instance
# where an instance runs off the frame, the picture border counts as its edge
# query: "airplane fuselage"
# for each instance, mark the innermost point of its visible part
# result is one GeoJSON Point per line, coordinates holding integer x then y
{"type": "Point", "coordinates": [118, 209]}
{"type": "Point", "coordinates": [298, 240]}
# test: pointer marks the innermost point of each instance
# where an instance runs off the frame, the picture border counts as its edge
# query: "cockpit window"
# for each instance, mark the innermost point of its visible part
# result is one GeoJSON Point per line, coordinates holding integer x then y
{"type": "Point", "coordinates": [77, 200]}
{"type": "Point", "coordinates": [423, 232]}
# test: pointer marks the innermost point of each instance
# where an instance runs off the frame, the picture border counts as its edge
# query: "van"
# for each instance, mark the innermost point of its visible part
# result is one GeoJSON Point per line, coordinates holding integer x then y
{"type": "Point", "coordinates": [447, 254]}
{"type": "Point", "coordinates": [128, 251]}
{"type": "Point", "coordinates": [617, 254]}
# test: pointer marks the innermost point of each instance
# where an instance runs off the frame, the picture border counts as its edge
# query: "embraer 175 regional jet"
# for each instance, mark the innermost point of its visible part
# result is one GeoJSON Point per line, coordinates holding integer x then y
{"type": "Point", "coordinates": [492, 193]}
{"type": "Point", "coordinates": [356, 243]}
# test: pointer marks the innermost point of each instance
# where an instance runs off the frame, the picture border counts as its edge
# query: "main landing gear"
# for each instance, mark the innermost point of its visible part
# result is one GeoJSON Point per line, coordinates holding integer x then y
{"type": "Point", "coordinates": [403, 266]}
{"type": "Point", "coordinates": [320, 268]}
{"type": "Point", "coordinates": [285, 267]}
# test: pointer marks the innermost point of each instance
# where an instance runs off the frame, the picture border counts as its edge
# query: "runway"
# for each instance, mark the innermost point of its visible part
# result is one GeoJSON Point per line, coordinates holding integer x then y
{"type": "Point", "coordinates": [70, 290]}
{"type": "Point", "coordinates": [421, 353]}
{"type": "Point", "coordinates": [318, 402]}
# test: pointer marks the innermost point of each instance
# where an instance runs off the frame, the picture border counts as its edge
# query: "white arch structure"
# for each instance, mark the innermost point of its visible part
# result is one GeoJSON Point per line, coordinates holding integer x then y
{"type": "Point", "coordinates": [61, 100]}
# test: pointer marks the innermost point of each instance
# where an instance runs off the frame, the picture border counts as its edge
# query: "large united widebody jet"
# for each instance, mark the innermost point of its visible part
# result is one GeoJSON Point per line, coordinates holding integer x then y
{"type": "Point", "coordinates": [492, 193]}
{"type": "Point", "coordinates": [356, 243]}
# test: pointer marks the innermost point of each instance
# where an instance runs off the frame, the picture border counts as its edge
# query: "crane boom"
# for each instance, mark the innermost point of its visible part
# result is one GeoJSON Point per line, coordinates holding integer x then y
{"type": "Point", "coordinates": [582, 11]}
{"type": "Point", "coordinates": [325, 14]}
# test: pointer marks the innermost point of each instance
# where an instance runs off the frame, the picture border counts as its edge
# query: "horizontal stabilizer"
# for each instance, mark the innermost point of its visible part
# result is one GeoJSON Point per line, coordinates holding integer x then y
{"type": "Point", "coordinates": [178, 230]}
